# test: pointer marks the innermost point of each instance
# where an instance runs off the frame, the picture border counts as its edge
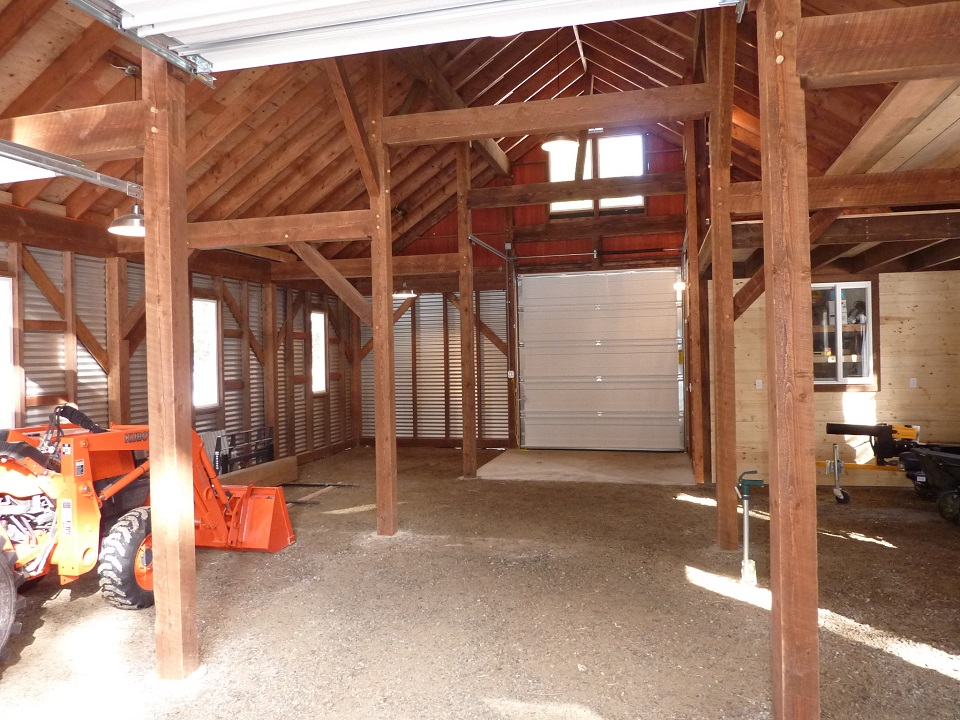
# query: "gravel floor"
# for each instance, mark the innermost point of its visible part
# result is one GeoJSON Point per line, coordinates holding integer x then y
{"type": "Point", "coordinates": [513, 601]}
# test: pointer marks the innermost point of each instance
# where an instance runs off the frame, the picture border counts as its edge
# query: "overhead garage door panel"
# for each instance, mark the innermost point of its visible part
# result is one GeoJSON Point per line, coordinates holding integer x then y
{"type": "Point", "coordinates": [599, 361]}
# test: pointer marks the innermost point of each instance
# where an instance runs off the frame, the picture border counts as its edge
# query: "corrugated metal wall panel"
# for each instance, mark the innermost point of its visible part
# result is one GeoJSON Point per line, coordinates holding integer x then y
{"type": "Point", "coordinates": [90, 279]}
{"type": "Point", "coordinates": [229, 321]}
{"type": "Point", "coordinates": [336, 387]}
{"type": "Point", "coordinates": [138, 361]}
{"type": "Point", "coordinates": [201, 281]}
{"type": "Point", "coordinates": [495, 390]}
{"type": "Point", "coordinates": [300, 406]}
{"type": "Point", "coordinates": [403, 372]}
{"type": "Point", "coordinates": [43, 352]}
{"type": "Point", "coordinates": [3, 252]}
{"type": "Point", "coordinates": [366, 373]}
{"type": "Point", "coordinates": [456, 385]}
{"type": "Point", "coordinates": [255, 305]}
{"type": "Point", "coordinates": [431, 393]}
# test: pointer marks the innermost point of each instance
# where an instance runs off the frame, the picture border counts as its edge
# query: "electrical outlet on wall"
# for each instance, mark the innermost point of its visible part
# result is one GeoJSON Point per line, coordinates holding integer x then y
{"type": "Point", "coordinates": [913, 383]}
{"type": "Point", "coordinates": [759, 384]}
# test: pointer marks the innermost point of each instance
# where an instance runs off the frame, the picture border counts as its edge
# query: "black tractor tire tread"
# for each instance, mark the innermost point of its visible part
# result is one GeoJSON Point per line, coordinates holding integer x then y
{"type": "Point", "coordinates": [117, 554]}
{"type": "Point", "coordinates": [11, 602]}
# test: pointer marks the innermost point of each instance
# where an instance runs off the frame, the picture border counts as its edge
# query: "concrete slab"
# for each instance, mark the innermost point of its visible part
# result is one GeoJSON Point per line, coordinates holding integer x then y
{"type": "Point", "coordinates": [631, 468]}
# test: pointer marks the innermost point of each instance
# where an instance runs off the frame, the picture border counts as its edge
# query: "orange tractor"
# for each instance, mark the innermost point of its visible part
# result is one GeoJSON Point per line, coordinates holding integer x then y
{"type": "Point", "coordinates": [76, 496]}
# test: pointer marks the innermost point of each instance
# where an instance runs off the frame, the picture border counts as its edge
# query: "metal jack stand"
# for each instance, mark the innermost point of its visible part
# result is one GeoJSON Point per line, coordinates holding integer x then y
{"type": "Point", "coordinates": [748, 568]}
{"type": "Point", "coordinates": [835, 466]}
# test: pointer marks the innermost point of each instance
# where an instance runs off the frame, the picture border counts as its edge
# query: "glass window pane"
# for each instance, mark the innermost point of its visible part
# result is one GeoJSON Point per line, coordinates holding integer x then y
{"type": "Point", "coordinates": [619, 157]}
{"type": "Point", "coordinates": [562, 164]}
{"type": "Point", "coordinates": [8, 389]}
{"type": "Point", "coordinates": [206, 354]}
{"type": "Point", "coordinates": [825, 334]}
{"type": "Point", "coordinates": [855, 335]}
{"type": "Point", "coordinates": [318, 344]}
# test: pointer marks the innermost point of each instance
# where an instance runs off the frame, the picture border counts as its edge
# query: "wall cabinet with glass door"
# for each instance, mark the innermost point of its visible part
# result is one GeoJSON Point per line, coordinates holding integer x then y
{"type": "Point", "coordinates": [842, 333]}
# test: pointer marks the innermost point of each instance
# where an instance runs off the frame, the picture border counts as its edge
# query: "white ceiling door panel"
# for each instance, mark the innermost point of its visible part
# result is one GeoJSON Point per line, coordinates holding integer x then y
{"type": "Point", "coordinates": [233, 34]}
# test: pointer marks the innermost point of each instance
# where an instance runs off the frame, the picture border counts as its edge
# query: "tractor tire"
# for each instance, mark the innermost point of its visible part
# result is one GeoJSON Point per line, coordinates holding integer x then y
{"type": "Point", "coordinates": [10, 601]}
{"type": "Point", "coordinates": [126, 562]}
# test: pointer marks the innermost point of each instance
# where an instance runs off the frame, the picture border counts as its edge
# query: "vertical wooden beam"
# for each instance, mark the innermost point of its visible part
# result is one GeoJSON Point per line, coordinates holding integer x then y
{"type": "Point", "coordinates": [118, 347]}
{"type": "Point", "coordinates": [721, 54]}
{"type": "Point", "coordinates": [70, 334]}
{"type": "Point", "coordinates": [694, 357]}
{"type": "Point", "coordinates": [786, 258]}
{"type": "Point", "coordinates": [268, 302]}
{"type": "Point", "coordinates": [381, 255]}
{"type": "Point", "coordinates": [356, 380]}
{"type": "Point", "coordinates": [15, 265]}
{"type": "Point", "coordinates": [245, 355]}
{"type": "Point", "coordinates": [168, 371]}
{"type": "Point", "coordinates": [468, 343]}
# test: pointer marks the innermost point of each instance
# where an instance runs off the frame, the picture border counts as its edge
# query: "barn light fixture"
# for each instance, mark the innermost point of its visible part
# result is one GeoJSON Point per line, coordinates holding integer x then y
{"type": "Point", "coordinates": [679, 286]}
{"type": "Point", "coordinates": [130, 225]}
{"type": "Point", "coordinates": [404, 293]}
{"type": "Point", "coordinates": [559, 142]}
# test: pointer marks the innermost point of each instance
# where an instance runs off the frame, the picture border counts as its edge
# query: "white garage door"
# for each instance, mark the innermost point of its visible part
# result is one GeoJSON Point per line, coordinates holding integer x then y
{"type": "Point", "coordinates": [600, 361]}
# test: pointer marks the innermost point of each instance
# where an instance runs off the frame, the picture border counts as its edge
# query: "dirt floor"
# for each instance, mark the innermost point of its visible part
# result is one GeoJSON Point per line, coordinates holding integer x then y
{"type": "Point", "coordinates": [513, 601]}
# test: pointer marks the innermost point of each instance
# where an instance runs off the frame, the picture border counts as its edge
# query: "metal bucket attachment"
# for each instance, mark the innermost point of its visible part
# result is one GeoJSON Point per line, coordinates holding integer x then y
{"type": "Point", "coordinates": [257, 520]}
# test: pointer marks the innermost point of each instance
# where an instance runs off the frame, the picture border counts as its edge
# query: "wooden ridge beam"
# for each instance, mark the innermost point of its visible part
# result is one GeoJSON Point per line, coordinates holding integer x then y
{"type": "Point", "coordinates": [39, 229]}
{"type": "Point", "coordinates": [609, 226]}
{"type": "Point", "coordinates": [540, 117]}
{"type": "Point", "coordinates": [913, 187]}
{"type": "Point", "coordinates": [417, 65]}
{"type": "Point", "coordinates": [325, 270]}
{"type": "Point", "coordinates": [879, 46]}
{"type": "Point", "coordinates": [280, 230]}
{"type": "Point", "coordinates": [350, 112]}
{"type": "Point", "coordinates": [99, 132]}
{"type": "Point", "coordinates": [542, 193]}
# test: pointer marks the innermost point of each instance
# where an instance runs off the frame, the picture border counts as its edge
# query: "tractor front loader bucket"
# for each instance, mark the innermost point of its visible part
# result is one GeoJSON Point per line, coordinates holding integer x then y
{"type": "Point", "coordinates": [237, 517]}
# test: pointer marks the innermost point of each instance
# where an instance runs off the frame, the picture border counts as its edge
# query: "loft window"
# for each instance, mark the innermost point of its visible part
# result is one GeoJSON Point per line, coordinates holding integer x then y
{"type": "Point", "coordinates": [9, 390]}
{"type": "Point", "coordinates": [843, 334]}
{"type": "Point", "coordinates": [206, 353]}
{"type": "Point", "coordinates": [318, 346]}
{"type": "Point", "coordinates": [606, 157]}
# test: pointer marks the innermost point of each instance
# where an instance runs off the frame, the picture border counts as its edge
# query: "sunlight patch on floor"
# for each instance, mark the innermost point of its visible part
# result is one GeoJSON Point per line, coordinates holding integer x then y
{"type": "Point", "coordinates": [919, 654]}
{"type": "Point", "coordinates": [521, 710]}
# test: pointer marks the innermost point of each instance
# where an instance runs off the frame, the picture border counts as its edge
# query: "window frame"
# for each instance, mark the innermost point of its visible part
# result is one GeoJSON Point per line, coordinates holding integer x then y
{"type": "Point", "coordinates": [596, 205]}
{"type": "Point", "coordinates": [326, 343]}
{"type": "Point", "coordinates": [218, 349]}
{"type": "Point", "coordinates": [872, 382]}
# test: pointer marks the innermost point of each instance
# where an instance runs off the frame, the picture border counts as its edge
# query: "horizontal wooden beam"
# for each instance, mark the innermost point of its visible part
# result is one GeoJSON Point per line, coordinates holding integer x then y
{"type": "Point", "coordinates": [610, 226]}
{"type": "Point", "coordinates": [539, 117]}
{"type": "Point", "coordinates": [939, 254]}
{"type": "Point", "coordinates": [280, 230]}
{"type": "Point", "coordinates": [879, 46]}
{"type": "Point", "coordinates": [403, 265]}
{"type": "Point", "coordinates": [913, 187]}
{"type": "Point", "coordinates": [91, 134]}
{"type": "Point", "coordinates": [43, 230]}
{"type": "Point", "coordinates": [920, 225]}
{"type": "Point", "coordinates": [549, 192]}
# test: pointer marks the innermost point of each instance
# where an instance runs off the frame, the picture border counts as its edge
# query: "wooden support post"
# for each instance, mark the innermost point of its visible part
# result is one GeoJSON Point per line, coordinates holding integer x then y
{"type": "Point", "coordinates": [118, 348]}
{"type": "Point", "coordinates": [381, 255]}
{"type": "Point", "coordinates": [468, 343]}
{"type": "Point", "coordinates": [694, 357]}
{"type": "Point", "coordinates": [70, 335]}
{"type": "Point", "coordinates": [721, 54]}
{"type": "Point", "coordinates": [268, 301]}
{"type": "Point", "coordinates": [786, 254]}
{"type": "Point", "coordinates": [356, 381]}
{"type": "Point", "coordinates": [168, 371]}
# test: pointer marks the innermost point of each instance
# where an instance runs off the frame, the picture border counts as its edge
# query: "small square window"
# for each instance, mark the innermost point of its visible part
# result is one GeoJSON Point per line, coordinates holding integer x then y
{"type": "Point", "coordinates": [617, 156]}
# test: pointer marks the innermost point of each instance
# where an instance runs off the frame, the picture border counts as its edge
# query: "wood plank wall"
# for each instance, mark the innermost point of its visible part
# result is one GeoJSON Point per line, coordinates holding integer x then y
{"type": "Point", "coordinates": [919, 338]}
